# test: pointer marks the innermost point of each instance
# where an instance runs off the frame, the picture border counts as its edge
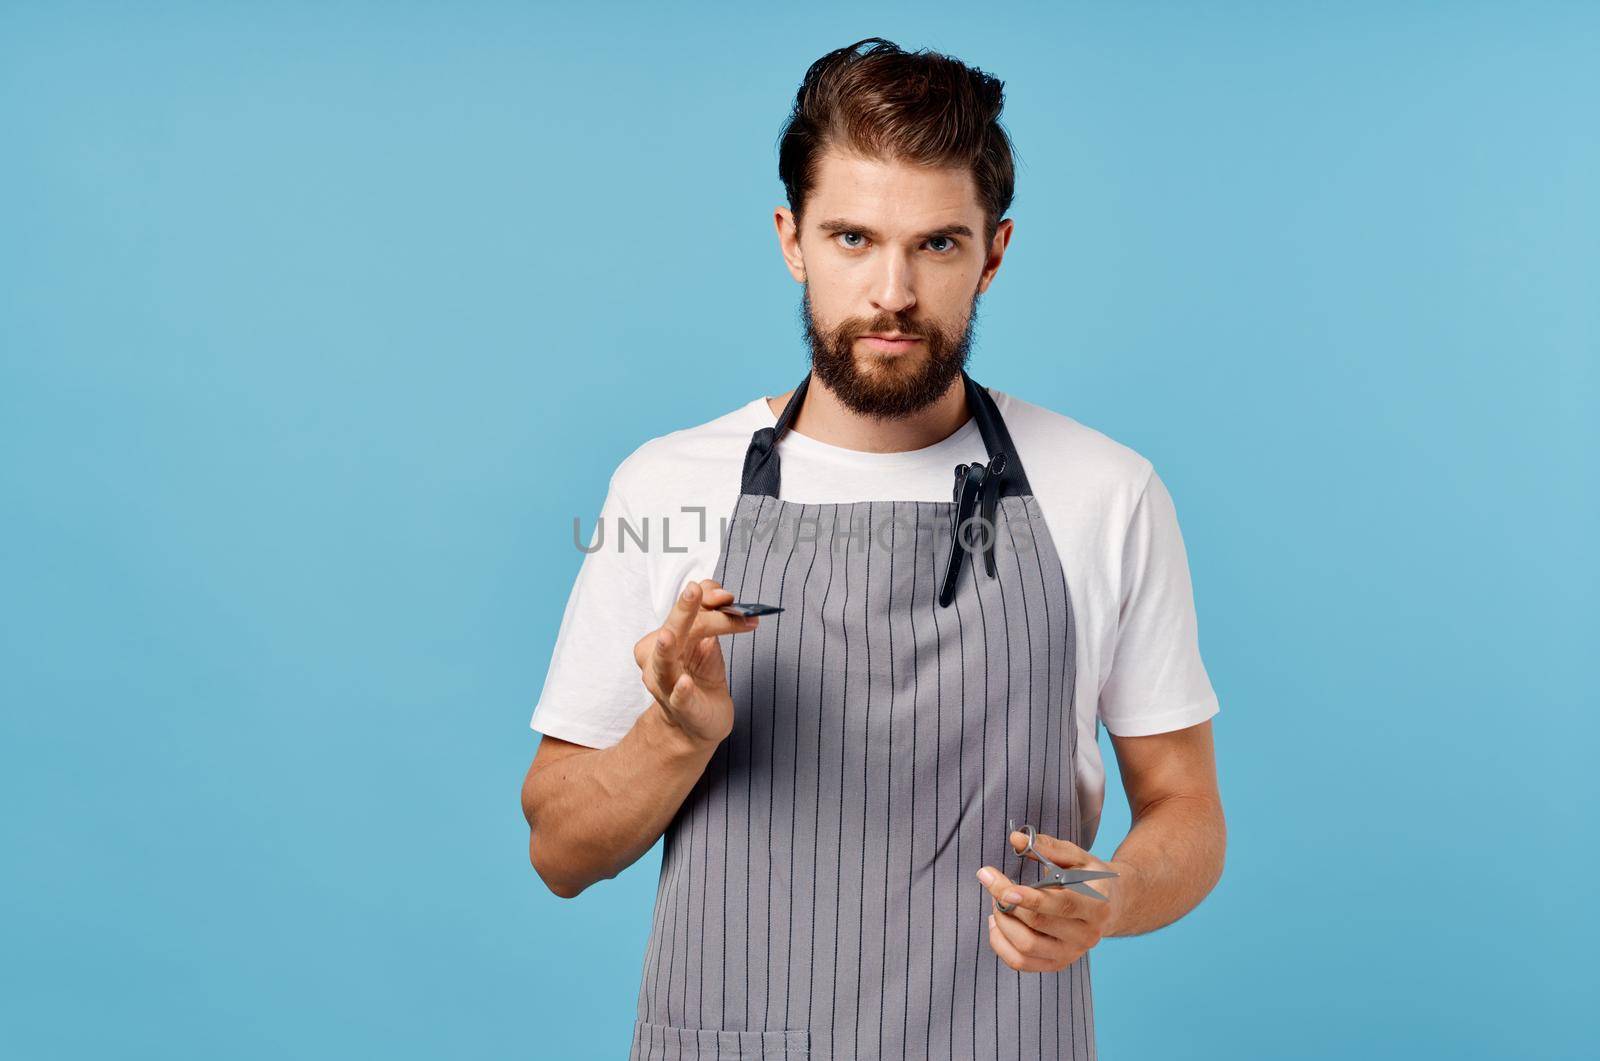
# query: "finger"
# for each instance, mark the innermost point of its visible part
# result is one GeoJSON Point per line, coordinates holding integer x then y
{"type": "Point", "coordinates": [708, 623]}
{"type": "Point", "coordinates": [651, 669]}
{"type": "Point", "coordinates": [1008, 952]}
{"type": "Point", "coordinates": [1061, 852]}
{"type": "Point", "coordinates": [688, 698]}
{"type": "Point", "coordinates": [1019, 843]}
{"type": "Point", "coordinates": [998, 885]}
{"type": "Point", "coordinates": [684, 613]}
{"type": "Point", "coordinates": [714, 596]}
{"type": "Point", "coordinates": [670, 660]}
{"type": "Point", "coordinates": [1033, 942]}
{"type": "Point", "coordinates": [682, 694]}
{"type": "Point", "coordinates": [1033, 906]}
{"type": "Point", "coordinates": [1062, 904]}
{"type": "Point", "coordinates": [1068, 855]}
{"type": "Point", "coordinates": [664, 666]}
{"type": "Point", "coordinates": [651, 677]}
{"type": "Point", "coordinates": [715, 624]}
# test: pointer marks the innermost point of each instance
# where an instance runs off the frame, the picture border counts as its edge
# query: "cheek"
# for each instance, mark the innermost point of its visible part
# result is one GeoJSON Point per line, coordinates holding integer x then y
{"type": "Point", "coordinates": [948, 296]}
{"type": "Point", "coordinates": [833, 299]}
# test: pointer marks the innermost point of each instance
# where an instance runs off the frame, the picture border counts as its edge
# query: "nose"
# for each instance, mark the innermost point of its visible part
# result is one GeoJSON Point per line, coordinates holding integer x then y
{"type": "Point", "coordinates": [892, 291]}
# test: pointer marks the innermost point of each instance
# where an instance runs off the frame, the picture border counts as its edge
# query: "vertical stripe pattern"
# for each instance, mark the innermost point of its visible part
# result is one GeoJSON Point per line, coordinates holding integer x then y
{"type": "Point", "coordinates": [817, 896]}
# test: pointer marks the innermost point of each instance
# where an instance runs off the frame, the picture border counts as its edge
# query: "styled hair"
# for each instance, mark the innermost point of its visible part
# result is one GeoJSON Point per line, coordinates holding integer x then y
{"type": "Point", "coordinates": [886, 103]}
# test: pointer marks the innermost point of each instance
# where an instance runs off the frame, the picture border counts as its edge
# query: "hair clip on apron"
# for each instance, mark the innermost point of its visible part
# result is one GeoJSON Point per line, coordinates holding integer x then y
{"type": "Point", "coordinates": [976, 492]}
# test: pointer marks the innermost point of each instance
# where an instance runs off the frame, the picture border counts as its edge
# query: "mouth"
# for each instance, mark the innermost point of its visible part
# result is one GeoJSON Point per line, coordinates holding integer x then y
{"type": "Point", "coordinates": [890, 345]}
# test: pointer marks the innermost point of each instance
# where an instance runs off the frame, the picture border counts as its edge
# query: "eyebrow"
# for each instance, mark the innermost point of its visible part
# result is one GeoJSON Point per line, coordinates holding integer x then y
{"type": "Point", "coordinates": [835, 225]}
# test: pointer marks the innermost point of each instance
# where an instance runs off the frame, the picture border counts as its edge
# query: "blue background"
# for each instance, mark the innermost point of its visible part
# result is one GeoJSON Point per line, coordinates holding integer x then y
{"type": "Point", "coordinates": [320, 323]}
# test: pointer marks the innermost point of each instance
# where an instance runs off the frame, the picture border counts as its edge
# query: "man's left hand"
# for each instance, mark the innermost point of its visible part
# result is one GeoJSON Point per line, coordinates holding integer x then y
{"type": "Point", "coordinates": [1050, 928]}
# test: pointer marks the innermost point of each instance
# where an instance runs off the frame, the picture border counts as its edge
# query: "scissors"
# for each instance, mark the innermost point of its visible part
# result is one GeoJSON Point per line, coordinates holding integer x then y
{"type": "Point", "coordinates": [1060, 876]}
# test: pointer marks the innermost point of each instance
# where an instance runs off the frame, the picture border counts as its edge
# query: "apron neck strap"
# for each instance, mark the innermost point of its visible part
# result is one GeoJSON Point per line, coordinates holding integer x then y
{"type": "Point", "coordinates": [761, 463]}
{"type": "Point", "coordinates": [996, 439]}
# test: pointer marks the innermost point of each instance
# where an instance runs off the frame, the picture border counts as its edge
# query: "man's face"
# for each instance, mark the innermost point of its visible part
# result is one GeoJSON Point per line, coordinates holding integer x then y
{"type": "Point", "coordinates": [892, 249]}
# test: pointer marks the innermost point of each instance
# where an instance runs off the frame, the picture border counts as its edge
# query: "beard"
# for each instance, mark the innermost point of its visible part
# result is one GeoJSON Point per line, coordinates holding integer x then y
{"type": "Point", "coordinates": [896, 385]}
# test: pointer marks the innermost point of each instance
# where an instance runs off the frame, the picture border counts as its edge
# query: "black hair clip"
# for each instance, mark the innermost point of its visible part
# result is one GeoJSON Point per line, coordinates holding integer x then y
{"type": "Point", "coordinates": [977, 490]}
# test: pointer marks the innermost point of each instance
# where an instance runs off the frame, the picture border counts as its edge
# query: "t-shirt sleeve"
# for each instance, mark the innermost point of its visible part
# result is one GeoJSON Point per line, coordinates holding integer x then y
{"type": "Point", "coordinates": [592, 692]}
{"type": "Point", "coordinates": [1157, 681]}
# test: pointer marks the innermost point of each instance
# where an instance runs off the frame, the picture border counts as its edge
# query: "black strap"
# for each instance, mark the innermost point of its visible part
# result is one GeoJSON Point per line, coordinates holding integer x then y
{"type": "Point", "coordinates": [761, 459]}
{"type": "Point", "coordinates": [996, 439]}
{"type": "Point", "coordinates": [761, 464]}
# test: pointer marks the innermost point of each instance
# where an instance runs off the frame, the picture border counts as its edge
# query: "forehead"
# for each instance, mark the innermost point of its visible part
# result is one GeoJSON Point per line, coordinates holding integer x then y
{"type": "Point", "coordinates": [890, 195]}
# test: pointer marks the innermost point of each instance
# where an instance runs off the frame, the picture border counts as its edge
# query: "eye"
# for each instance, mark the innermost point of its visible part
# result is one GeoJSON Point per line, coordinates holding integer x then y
{"type": "Point", "coordinates": [948, 240]}
{"type": "Point", "coordinates": [846, 235]}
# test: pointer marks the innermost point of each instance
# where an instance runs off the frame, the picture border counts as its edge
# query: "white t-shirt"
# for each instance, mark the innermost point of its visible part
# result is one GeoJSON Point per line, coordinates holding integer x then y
{"type": "Point", "coordinates": [1109, 515]}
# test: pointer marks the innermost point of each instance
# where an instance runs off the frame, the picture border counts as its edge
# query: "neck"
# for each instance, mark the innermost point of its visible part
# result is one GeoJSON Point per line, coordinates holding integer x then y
{"type": "Point", "coordinates": [824, 417]}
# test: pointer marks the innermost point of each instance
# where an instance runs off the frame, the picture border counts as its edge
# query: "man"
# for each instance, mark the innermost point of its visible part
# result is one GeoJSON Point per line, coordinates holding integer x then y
{"type": "Point", "coordinates": [847, 787]}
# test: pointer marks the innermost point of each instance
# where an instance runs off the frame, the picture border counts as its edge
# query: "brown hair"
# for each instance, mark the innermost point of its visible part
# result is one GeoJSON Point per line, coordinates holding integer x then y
{"type": "Point", "coordinates": [921, 107]}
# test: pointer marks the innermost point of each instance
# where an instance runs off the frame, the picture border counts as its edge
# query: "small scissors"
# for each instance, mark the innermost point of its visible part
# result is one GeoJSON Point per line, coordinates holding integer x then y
{"type": "Point", "coordinates": [1060, 877]}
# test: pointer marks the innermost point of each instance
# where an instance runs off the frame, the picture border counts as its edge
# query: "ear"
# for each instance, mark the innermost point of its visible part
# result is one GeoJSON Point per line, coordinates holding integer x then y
{"type": "Point", "coordinates": [997, 251]}
{"type": "Point", "coordinates": [789, 242]}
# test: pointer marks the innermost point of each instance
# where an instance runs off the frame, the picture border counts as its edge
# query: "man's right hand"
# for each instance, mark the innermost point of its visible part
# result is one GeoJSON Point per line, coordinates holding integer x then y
{"type": "Point", "coordinates": [681, 662]}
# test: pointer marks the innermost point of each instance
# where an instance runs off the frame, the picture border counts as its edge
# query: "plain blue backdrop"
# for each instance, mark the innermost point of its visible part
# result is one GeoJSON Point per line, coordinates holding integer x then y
{"type": "Point", "coordinates": [321, 322]}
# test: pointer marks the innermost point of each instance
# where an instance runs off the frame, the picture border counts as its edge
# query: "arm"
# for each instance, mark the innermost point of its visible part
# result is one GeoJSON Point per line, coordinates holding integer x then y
{"type": "Point", "coordinates": [1170, 859]}
{"type": "Point", "coordinates": [593, 811]}
{"type": "Point", "coordinates": [1173, 854]}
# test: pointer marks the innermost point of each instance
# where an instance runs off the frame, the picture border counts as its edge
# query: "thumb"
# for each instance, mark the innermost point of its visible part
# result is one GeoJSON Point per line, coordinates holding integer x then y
{"type": "Point", "coordinates": [1061, 852]}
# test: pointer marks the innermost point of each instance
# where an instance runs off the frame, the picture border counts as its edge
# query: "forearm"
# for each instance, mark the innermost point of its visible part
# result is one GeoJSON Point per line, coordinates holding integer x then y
{"type": "Point", "coordinates": [1170, 860]}
{"type": "Point", "coordinates": [593, 815]}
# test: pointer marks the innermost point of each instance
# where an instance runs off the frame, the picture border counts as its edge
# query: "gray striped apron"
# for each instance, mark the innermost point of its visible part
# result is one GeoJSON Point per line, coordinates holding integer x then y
{"type": "Point", "coordinates": [817, 896]}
